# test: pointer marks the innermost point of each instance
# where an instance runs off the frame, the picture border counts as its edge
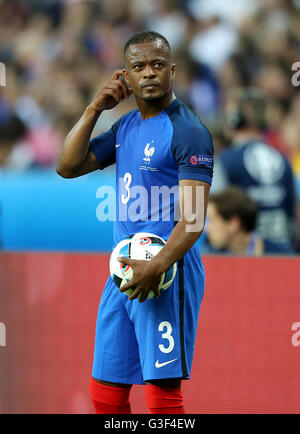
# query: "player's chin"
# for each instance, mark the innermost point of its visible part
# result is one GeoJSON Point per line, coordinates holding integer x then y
{"type": "Point", "coordinates": [152, 96]}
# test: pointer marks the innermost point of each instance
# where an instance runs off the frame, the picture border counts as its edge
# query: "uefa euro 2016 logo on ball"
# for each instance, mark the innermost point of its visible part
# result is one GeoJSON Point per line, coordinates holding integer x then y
{"type": "Point", "coordinates": [143, 246]}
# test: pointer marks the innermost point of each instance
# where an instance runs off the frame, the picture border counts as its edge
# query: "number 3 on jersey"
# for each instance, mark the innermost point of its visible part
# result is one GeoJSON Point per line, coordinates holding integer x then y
{"type": "Point", "coordinates": [165, 325]}
{"type": "Point", "coordinates": [127, 180]}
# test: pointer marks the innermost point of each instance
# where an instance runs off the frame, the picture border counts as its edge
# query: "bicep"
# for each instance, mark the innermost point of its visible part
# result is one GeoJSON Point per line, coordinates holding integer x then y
{"type": "Point", "coordinates": [193, 200]}
{"type": "Point", "coordinates": [193, 151]}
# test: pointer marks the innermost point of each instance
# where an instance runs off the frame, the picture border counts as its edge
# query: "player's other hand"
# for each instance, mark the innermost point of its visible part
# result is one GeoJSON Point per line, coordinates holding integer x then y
{"type": "Point", "coordinates": [111, 93]}
{"type": "Point", "coordinates": [145, 278]}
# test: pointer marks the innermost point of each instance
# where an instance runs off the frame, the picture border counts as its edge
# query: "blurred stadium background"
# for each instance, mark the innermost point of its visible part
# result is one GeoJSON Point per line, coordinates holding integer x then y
{"type": "Point", "coordinates": [56, 53]}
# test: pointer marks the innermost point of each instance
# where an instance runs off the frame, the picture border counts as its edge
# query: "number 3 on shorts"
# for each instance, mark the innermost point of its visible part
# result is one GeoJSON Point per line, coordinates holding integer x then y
{"type": "Point", "coordinates": [167, 335]}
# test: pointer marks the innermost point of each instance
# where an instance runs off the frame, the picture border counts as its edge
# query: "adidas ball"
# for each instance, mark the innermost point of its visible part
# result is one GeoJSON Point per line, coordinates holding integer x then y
{"type": "Point", "coordinates": [142, 245]}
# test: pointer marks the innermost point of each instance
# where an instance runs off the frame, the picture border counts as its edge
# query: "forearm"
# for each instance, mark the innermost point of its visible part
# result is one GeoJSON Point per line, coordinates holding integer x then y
{"type": "Point", "coordinates": [178, 244]}
{"type": "Point", "coordinates": [76, 145]}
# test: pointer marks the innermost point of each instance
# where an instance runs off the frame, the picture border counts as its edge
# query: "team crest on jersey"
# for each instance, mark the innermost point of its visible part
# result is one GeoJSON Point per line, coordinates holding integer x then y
{"type": "Point", "coordinates": [148, 154]}
{"type": "Point", "coordinates": [148, 151]}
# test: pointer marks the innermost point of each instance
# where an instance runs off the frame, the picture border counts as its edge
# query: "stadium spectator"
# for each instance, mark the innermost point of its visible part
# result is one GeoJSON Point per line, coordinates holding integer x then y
{"type": "Point", "coordinates": [253, 165]}
{"type": "Point", "coordinates": [14, 153]}
{"type": "Point", "coordinates": [231, 223]}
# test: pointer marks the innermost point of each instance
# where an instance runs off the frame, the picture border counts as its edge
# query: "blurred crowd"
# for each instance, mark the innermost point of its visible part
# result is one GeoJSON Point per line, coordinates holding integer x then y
{"type": "Point", "coordinates": [58, 52]}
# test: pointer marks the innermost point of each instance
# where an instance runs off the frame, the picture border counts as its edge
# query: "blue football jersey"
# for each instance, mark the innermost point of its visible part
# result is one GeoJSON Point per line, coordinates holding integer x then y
{"type": "Point", "coordinates": [151, 156]}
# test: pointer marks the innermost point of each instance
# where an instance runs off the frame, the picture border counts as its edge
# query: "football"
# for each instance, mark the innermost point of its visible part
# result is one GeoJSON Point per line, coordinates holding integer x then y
{"type": "Point", "coordinates": [142, 245]}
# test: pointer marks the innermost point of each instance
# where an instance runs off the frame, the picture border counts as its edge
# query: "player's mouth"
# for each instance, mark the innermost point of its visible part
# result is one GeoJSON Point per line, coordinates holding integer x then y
{"type": "Point", "coordinates": [150, 85]}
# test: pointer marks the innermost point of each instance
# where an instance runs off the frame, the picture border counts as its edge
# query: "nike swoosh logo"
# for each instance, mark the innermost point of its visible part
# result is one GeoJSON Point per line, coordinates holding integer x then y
{"type": "Point", "coordinates": [117, 146]}
{"type": "Point", "coordinates": [160, 365]}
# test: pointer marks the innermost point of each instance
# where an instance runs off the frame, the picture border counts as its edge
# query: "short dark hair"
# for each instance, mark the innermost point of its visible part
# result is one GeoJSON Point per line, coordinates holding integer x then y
{"type": "Point", "coordinates": [146, 36]}
{"type": "Point", "coordinates": [234, 202]}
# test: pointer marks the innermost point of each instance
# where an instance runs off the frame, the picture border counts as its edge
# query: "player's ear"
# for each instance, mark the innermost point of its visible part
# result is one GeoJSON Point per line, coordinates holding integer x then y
{"type": "Point", "coordinates": [125, 76]}
{"type": "Point", "coordinates": [173, 67]}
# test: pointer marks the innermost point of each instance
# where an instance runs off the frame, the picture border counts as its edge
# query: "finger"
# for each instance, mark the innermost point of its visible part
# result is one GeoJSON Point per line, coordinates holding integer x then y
{"type": "Point", "coordinates": [113, 94]}
{"type": "Point", "coordinates": [114, 91]}
{"type": "Point", "coordinates": [127, 286]}
{"type": "Point", "coordinates": [121, 84]}
{"type": "Point", "coordinates": [117, 73]}
{"type": "Point", "coordinates": [135, 293]}
{"type": "Point", "coordinates": [124, 259]}
{"type": "Point", "coordinates": [143, 296]}
{"type": "Point", "coordinates": [118, 86]}
{"type": "Point", "coordinates": [157, 292]}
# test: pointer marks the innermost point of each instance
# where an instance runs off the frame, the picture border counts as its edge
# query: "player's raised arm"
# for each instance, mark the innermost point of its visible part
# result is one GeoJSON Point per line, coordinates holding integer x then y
{"type": "Point", "coordinates": [76, 158]}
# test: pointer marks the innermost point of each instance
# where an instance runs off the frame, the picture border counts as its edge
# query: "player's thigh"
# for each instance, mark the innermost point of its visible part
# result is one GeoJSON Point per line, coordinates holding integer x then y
{"type": "Point", "coordinates": [116, 354]}
{"type": "Point", "coordinates": [157, 328]}
{"type": "Point", "coordinates": [166, 327]}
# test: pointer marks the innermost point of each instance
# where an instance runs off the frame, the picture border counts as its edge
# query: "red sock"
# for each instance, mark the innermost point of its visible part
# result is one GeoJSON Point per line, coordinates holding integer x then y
{"type": "Point", "coordinates": [164, 400]}
{"type": "Point", "coordinates": [110, 399]}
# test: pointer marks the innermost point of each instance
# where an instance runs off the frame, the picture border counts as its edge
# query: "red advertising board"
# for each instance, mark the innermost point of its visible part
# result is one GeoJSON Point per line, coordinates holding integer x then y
{"type": "Point", "coordinates": [247, 355]}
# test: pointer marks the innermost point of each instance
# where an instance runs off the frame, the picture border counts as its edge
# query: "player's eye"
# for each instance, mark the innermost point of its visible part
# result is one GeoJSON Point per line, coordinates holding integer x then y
{"type": "Point", "coordinates": [158, 65]}
{"type": "Point", "coordinates": [137, 67]}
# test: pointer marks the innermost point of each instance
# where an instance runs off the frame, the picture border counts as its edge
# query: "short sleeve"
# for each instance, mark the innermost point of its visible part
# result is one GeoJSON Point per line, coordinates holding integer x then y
{"type": "Point", "coordinates": [193, 151]}
{"type": "Point", "coordinates": [104, 146]}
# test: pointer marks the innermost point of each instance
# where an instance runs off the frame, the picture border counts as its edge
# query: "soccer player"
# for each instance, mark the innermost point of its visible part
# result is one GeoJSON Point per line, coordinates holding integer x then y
{"type": "Point", "coordinates": [160, 144]}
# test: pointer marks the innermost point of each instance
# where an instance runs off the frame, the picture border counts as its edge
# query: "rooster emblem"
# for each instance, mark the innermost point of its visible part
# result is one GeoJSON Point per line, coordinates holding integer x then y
{"type": "Point", "coordinates": [148, 152]}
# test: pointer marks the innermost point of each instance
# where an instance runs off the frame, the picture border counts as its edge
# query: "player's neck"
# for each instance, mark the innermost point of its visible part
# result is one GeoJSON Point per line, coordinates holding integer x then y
{"type": "Point", "coordinates": [149, 109]}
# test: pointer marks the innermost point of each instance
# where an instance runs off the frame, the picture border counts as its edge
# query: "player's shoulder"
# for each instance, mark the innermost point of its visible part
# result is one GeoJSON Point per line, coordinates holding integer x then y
{"type": "Point", "coordinates": [186, 123]}
{"type": "Point", "coordinates": [184, 116]}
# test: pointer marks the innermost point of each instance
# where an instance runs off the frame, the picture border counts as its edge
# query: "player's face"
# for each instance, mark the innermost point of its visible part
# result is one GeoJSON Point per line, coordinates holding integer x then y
{"type": "Point", "coordinates": [218, 230]}
{"type": "Point", "coordinates": [149, 70]}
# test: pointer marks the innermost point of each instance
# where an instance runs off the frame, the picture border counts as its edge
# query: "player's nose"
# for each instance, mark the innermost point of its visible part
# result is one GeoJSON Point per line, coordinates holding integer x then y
{"type": "Point", "coordinates": [149, 72]}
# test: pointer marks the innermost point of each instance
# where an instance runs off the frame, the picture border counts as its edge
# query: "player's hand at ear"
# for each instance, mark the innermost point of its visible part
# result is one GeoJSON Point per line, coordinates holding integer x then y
{"type": "Point", "coordinates": [145, 278]}
{"type": "Point", "coordinates": [111, 93]}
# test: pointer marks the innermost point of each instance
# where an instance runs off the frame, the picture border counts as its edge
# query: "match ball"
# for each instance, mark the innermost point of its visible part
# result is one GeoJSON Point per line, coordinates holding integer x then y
{"type": "Point", "coordinates": [143, 246]}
